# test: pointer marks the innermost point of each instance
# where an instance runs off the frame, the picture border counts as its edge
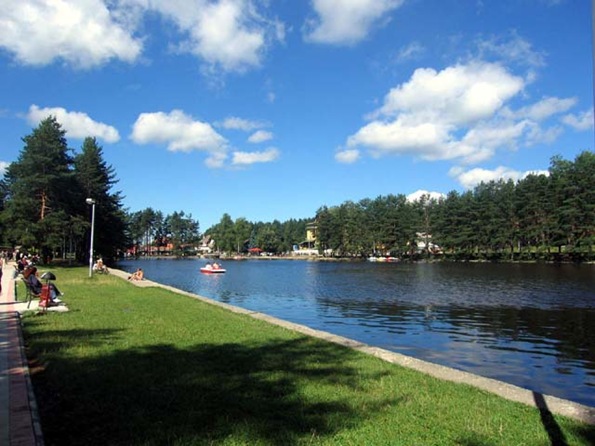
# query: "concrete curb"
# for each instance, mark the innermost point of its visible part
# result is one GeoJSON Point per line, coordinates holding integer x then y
{"type": "Point", "coordinates": [545, 403]}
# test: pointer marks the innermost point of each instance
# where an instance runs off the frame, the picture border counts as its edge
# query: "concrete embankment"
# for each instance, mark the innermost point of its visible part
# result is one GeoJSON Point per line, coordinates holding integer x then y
{"type": "Point", "coordinates": [545, 403]}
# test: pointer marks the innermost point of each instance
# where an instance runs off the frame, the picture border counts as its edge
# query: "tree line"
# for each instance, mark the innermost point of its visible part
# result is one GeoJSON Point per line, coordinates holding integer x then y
{"type": "Point", "coordinates": [541, 217]}
{"type": "Point", "coordinates": [241, 235]}
{"type": "Point", "coordinates": [43, 210]}
{"type": "Point", "coordinates": [175, 234]}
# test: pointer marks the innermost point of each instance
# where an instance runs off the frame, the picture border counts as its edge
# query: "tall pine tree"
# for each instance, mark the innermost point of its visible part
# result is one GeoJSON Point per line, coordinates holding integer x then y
{"type": "Point", "coordinates": [96, 180]}
{"type": "Point", "coordinates": [40, 188]}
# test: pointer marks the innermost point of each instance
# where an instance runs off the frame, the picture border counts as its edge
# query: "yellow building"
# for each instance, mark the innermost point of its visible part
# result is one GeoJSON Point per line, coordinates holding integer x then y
{"type": "Point", "coordinates": [308, 246]}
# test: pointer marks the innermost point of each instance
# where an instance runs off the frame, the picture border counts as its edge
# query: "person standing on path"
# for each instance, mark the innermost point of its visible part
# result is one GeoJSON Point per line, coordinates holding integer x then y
{"type": "Point", "coordinates": [1, 268]}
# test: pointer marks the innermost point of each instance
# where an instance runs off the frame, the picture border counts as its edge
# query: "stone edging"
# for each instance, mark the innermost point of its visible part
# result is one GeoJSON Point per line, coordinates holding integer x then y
{"type": "Point", "coordinates": [510, 392]}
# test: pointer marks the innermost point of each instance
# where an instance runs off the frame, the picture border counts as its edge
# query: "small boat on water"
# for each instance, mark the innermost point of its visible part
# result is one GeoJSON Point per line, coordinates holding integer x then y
{"type": "Point", "coordinates": [213, 270]}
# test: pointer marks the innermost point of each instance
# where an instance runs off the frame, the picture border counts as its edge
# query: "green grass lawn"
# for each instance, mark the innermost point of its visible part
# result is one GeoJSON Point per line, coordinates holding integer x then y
{"type": "Point", "coordinates": [145, 366]}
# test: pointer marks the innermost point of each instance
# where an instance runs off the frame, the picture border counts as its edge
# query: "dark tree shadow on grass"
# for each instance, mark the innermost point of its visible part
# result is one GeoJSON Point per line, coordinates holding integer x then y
{"type": "Point", "coordinates": [163, 395]}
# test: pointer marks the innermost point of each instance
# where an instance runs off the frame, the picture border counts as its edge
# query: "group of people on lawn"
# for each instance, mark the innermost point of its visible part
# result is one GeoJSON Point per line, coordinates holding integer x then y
{"type": "Point", "coordinates": [26, 267]}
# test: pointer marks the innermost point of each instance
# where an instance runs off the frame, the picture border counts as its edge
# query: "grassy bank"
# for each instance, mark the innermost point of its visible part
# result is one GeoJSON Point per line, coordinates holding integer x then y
{"type": "Point", "coordinates": [144, 366]}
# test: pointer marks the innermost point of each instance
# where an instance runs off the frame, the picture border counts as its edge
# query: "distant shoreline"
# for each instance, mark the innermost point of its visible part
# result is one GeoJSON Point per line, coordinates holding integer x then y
{"type": "Point", "coordinates": [356, 259]}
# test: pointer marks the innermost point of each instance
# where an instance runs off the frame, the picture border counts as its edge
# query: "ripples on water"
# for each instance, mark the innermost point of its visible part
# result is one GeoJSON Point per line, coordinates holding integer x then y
{"type": "Point", "coordinates": [530, 325]}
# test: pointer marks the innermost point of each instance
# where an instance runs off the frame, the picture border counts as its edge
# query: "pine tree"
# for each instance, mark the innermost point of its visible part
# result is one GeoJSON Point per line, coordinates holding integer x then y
{"type": "Point", "coordinates": [40, 189]}
{"type": "Point", "coordinates": [96, 180]}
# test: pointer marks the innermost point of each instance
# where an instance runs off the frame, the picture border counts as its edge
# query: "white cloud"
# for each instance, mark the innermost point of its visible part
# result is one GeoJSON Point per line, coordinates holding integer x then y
{"type": "Point", "coordinates": [181, 133]}
{"type": "Point", "coordinates": [458, 94]}
{"type": "Point", "coordinates": [247, 158]}
{"type": "Point", "coordinates": [462, 112]}
{"type": "Point", "coordinates": [235, 123]}
{"type": "Point", "coordinates": [77, 124]}
{"type": "Point", "coordinates": [228, 34]}
{"type": "Point", "coordinates": [3, 166]}
{"type": "Point", "coordinates": [346, 21]}
{"type": "Point", "coordinates": [84, 33]}
{"type": "Point", "coordinates": [580, 121]}
{"type": "Point", "coordinates": [260, 136]}
{"type": "Point", "coordinates": [216, 160]}
{"type": "Point", "coordinates": [348, 156]}
{"type": "Point", "coordinates": [471, 178]}
{"type": "Point", "coordinates": [545, 108]}
{"type": "Point", "coordinates": [415, 196]}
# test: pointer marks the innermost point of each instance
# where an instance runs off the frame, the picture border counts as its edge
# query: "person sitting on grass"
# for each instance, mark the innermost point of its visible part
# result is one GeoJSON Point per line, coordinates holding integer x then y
{"type": "Point", "coordinates": [137, 275]}
{"type": "Point", "coordinates": [100, 266]}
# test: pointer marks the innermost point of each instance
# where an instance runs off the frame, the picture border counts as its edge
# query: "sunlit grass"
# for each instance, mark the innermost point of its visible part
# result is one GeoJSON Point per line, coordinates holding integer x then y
{"type": "Point", "coordinates": [145, 366]}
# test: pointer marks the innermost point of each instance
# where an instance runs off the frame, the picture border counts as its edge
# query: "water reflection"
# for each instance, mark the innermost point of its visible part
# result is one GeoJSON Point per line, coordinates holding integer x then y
{"type": "Point", "coordinates": [525, 324]}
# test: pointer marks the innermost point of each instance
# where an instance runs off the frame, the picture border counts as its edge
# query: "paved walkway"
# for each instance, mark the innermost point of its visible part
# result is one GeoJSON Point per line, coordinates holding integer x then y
{"type": "Point", "coordinates": [19, 421]}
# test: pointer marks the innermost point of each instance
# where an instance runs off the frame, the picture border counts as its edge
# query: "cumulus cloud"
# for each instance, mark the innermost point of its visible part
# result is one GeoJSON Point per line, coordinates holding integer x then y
{"type": "Point", "coordinates": [458, 94]}
{"type": "Point", "coordinates": [348, 156]}
{"type": "Point", "coordinates": [471, 178]}
{"type": "Point", "coordinates": [229, 34]}
{"type": "Point", "coordinates": [181, 133]}
{"type": "Point", "coordinates": [461, 112]}
{"type": "Point", "coordinates": [260, 136]}
{"type": "Point", "coordinates": [346, 21]}
{"type": "Point", "coordinates": [247, 158]}
{"type": "Point", "coordinates": [580, 121]}
{"type": "Point", "coordinates": [77, 124]}
{"type": "Point", "coordinates": [418, 194]}
{"type": "Point", "coordinates": [84, 33]}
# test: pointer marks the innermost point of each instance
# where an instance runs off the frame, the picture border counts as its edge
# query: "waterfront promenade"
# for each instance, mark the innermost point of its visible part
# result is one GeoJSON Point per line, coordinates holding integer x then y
{"type": "Point", "coordinates": [19, 422]}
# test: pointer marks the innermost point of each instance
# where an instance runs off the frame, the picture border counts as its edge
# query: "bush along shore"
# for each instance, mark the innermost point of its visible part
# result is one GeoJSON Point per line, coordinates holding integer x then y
{"type": "Point", "coordinates": [130, 365]}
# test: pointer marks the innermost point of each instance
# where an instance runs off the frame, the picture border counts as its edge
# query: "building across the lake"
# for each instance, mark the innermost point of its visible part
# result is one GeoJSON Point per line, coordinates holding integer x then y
{"type": "Point", "coordinates": [308, 247]}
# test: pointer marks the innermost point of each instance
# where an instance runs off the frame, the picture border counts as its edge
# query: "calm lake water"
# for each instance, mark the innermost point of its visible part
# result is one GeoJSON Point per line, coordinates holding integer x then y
{"type": "Point", "coordinates": [529, 325]}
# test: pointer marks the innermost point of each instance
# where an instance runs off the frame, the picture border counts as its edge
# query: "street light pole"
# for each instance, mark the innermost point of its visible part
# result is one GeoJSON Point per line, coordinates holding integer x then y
{"type": "Point", "coordinates": [92, 203]}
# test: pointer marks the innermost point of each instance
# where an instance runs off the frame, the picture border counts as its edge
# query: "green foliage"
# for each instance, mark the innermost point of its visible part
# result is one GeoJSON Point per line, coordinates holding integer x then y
{"type": "Point", "coordinates": [97, 179]}
{"type": "Point", "coordinates": [181, 231]}
{"type": "Point", "coordinates": [152, 233]}
{"type": "Point", "coordinates": [240, 235]}
{"type": "Point", "coordinates": [43, 197]}
{"type": "Point", "coordinates": [539, 217]}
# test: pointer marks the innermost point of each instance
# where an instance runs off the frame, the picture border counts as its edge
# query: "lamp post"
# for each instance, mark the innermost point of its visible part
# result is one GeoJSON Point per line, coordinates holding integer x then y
{"type": "Point", "coordinates": [92, 203]}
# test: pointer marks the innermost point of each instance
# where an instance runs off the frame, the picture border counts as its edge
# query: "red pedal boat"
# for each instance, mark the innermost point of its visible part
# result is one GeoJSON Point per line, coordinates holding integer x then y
{"type": "Point", "coordinates": [212, 270]}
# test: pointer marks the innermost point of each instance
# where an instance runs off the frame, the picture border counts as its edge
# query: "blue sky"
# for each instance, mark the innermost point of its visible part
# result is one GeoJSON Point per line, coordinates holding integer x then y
{"type": "Point", "coordinates": [269, 109]}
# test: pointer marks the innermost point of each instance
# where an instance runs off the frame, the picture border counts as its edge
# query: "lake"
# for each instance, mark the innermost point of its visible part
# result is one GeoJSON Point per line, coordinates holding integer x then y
{"type": "Point", "coordinates": [526, 324]}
